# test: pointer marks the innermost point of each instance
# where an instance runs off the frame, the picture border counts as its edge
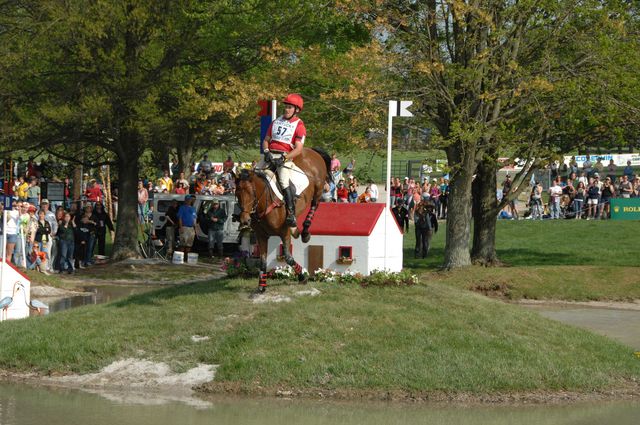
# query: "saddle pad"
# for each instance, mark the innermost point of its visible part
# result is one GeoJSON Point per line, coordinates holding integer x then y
{"type": "Point", "coordinates": [298, 178]}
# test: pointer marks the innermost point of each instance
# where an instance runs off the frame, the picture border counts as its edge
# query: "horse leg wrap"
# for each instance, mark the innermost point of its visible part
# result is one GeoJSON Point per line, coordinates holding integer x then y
{"type": "Point", "coordinates": [297, 268]}
{"type": "Point", "coordinates": [262, 281]}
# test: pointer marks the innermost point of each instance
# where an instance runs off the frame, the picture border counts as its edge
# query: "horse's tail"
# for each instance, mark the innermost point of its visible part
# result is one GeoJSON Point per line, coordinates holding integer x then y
{"type": "Point", "coordinates": [327, 161]}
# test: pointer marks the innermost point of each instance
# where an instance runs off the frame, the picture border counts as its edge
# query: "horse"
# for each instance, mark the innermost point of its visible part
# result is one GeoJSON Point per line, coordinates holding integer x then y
{"type": "Point", "coordinates": [263, 212]}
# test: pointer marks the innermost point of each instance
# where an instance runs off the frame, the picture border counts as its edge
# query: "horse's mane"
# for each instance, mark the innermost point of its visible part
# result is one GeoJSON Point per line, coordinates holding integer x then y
{"type": "Point", "coordinates": [327, 160]}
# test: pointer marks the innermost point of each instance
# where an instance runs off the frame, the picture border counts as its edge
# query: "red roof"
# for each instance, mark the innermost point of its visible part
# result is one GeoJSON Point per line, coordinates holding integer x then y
{"type": "Point", "coordinates": [344, 219]}
{"type": "Point", "coordinates": [11, 265]}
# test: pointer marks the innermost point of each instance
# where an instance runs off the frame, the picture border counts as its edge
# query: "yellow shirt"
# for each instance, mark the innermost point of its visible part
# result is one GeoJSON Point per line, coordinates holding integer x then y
{"type": "Point", "coordinates": [21, 191]}
{"type": "Point", "coordinates": [167, 183]}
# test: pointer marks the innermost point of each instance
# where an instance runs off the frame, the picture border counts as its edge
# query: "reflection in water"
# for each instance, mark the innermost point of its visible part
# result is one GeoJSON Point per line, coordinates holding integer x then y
{"type": "Point", "coordinates": [22, 405]}
{"type": "Point", "coordinates": [97, 295]}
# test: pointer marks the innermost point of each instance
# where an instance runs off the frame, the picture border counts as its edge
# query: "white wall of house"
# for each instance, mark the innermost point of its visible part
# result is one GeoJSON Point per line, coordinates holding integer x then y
{"type": "Point", "coordinates": [18, 309]}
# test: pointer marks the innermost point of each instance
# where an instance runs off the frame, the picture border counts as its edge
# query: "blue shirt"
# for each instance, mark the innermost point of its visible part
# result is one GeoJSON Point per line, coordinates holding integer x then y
{"type": "Point", "coordinates": [187, 214]}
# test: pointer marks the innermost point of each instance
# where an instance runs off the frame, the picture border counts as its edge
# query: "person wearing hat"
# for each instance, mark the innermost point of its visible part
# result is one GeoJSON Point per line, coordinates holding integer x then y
{"type": "Point", "coordinates": [216, 218]}
{"type": "Point", "coordinates": [187, 219]}
{"type": "Point", "coordinates": [284, 141]}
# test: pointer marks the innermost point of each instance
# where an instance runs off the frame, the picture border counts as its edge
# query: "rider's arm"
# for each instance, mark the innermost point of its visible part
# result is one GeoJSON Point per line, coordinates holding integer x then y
{"type": "Point", "coordinates": [265, 144]}
{"type": "Point", "coordinates": [297, 150]}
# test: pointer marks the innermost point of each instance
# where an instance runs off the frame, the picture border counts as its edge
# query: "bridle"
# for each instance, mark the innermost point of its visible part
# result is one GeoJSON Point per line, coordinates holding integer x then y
{"type": "Point", "coordinates": [253, 213]}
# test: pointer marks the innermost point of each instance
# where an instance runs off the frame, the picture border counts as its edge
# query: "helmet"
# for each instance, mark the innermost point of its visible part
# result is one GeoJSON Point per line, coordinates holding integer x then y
{"type": "Point", "coordinates": [294, 99]}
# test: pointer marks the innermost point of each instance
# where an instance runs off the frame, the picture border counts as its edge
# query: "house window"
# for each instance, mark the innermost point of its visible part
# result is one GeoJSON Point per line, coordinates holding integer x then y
{"type": "Point", "coordinates": [345, 255]}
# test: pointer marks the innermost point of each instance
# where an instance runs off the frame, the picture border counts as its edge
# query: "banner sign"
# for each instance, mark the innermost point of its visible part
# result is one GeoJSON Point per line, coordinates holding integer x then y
{"type": "Point", "coordinates": [619, 160]}
{"type": "Point", "coordinates": [625, 209]}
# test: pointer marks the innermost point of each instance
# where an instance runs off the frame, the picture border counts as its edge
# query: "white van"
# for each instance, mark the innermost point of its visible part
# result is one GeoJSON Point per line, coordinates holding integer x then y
{"type": "Point", "coordinates": [162, 202]}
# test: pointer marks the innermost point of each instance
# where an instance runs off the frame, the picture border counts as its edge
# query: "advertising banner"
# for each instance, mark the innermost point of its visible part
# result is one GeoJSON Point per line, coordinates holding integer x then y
{"type": "Point", "coordinates": [625, 209]}
{"type": "Point", "coordinates": [619, 160]}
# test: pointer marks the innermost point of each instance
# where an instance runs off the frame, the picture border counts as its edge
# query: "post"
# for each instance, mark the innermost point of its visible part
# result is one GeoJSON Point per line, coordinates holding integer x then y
{"type": "Point", "coordinates": [392, 104]}
{"type": "Point", "coordinates": [4, 244]}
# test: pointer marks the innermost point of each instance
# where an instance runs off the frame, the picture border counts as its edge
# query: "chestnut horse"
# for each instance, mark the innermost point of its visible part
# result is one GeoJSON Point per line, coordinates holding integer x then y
{"type": "Point", "coordinates": [266, 214]}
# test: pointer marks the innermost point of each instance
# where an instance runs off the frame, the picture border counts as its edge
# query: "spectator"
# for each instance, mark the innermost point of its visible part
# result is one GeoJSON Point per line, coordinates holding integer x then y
{"type": "Point", "coordinates": [37, 260]}
{"type": "Point", "coordinates": [578, 200]}
{"type": "Point", "coordinates": [11, 230]}
{"type": "Point", "coordinates": [143, 197]}
{"type": "Point", "coordinates": [628, 171]}
{"type": "Point", "coordinates": [350, 168]}
{"type": "Point", "coordinates": [165, 181]}
{"type": "Point", "coordinates": [608, 191]}
{"type": "Point", "coordinates": [51, 247]}
{"type": "Point", "coordinates": [217, 217]}
{"type": "Point", "coordinates": [42, 235]}
{"type": "Point", "coordinates": [506, 191]}
{"type": "Point", "coordinates": [374, 191]}
{"type": "Point", "coordinates": [180, 190]}
{"type": "Point", "coordinates": [365, 197]}
{"type": "Point", "coordinates": [228, 165]}
{"type": "Point", "coordinates": [626, 188]}
{"type": "Point", "coordinates": [33, 193]}
{"type": "Point", "coordinates": [555, 192]}
{"type": "Point", "coordinates": [593, 194]}
{"type": "Point", "coordinates": [103, 222]}
{"type": "Point", "coordinates": [583, 178]}
{"type": "Point", "coordinates": [326, 193]}
{"type": "Point", "coordinates": [573, 166]}
{"type": "Point", "coordinates": [87, 231]}
{"type": "Point", "coordinates": [205, 166]}
{"type": "Point", "coordinates": [401, 213]}
{"type": "Point", "coordinates": [535, 201]}
{"type": "Point", "coordinates": [599, 166]}
{"type": "Point", "coordinates": [353, 193]}
{"type": "Point", "coordinates": [611, 170]}
{"type": "Point", "coordinates": [174, 167]}
{"type": "Point", "coordinates": [434, 194]}
{"type": "Point", "coordinates": [336, 167]}
{"type": "Point", "coordinates": [171, 224]}
{"type": "Point", "coordinates": [93, 192]}
{"type": "Point", "coordinates": [587, 166]}
{"type": "Point", "coordinates": [66, 240]}
{"type": "Point", "coordinates": [21, 188]}
{"type": "Point", "coordinates": [342, 192]}
{"type": "Point", "coordinates": [68, 194]}
{"type": "Point", "coordinates": [444, 197]}
{"type": "Point", "coordinates": [184, 181]}
{"type": "Point", "coordinates": [187, 217]}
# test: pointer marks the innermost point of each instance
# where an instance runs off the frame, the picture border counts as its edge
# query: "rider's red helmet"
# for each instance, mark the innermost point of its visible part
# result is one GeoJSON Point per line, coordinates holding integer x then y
{"type": "Point", "coordinates": [295, 100]}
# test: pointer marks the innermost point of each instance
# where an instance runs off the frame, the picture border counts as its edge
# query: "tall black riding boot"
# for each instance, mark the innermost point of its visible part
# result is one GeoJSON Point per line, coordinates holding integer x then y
{"type": "Point", "coordinates": [290, 201]}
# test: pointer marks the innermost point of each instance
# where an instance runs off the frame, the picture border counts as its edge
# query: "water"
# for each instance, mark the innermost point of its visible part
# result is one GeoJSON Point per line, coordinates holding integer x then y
{"type": "Point", "coordinates": [25, 405]}
{"type": "Point", "coordinates": [97, 295]}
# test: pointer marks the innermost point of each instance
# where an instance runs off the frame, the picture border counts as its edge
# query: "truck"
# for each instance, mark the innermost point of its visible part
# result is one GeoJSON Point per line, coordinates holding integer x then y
{"type": "Point", "coordinates": [162, 202]}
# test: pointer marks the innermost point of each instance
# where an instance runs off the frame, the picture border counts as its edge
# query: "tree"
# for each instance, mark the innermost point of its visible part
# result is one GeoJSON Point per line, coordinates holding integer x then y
{"type": "Point", "coordinates": [125, 75]}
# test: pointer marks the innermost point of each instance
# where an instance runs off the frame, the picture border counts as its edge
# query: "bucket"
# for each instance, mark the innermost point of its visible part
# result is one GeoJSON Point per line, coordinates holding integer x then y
{"type": "Point", "coordinates": [192, 258]}
{"type": "Point", "coordinates": [178, 257]}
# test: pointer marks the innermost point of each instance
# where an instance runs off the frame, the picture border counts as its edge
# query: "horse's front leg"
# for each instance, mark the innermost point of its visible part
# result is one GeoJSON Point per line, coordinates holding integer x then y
{"type": "Point", "coordinates": [288, 258]}
{"type": "Point", "coordinates": [307, 221]}
{"type": "Point", "coordinates": [262, 247]}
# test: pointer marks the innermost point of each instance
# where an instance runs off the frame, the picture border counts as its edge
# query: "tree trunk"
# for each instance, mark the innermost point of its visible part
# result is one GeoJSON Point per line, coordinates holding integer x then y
{"type": "Point", "coordinates": [126, 242]}
{"type": "Point", "coordinates": [461, 158]}
{"type": "Point", "coordinates": [485, 210]}
{"type": "Point", "coordinates": [185, 154]}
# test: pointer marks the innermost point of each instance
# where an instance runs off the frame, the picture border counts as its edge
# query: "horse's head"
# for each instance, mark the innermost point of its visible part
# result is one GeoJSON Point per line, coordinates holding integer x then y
{"type": "Point", "coordinates": [246, 195]}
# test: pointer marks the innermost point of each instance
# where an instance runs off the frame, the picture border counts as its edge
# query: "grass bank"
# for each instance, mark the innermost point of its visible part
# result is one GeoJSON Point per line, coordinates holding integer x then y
{"type": "Point", "coordinates": [547, 260]}
{"type": "Point", "coordinates": [415, 340]}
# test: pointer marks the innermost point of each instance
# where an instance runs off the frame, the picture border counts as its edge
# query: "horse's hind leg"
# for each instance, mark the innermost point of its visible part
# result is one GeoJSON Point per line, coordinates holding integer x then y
{"type": "Point", "coordinates": [307, 221]}
{"type": "Point", "coordinates": [288, 258]}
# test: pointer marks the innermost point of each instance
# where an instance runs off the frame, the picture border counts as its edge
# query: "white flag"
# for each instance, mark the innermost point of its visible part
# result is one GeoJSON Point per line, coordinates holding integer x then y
{"type": "Point", "coordinates": [399, 109]}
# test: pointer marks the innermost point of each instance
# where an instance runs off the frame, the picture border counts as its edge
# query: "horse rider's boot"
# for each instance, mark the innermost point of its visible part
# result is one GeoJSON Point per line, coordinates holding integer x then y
{"type": "Point", "coordinates": [290, 201]}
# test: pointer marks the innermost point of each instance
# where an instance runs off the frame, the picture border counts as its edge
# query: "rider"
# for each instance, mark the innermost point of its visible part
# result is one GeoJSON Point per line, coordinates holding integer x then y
{"type": "Point", "coordinates": [283, 142]}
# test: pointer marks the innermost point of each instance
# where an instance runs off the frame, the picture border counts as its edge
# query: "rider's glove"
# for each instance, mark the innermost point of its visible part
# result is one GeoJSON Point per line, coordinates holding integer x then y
{"type": "Point", "coordinates": [279, 162]}
{"type": "Point", "coordinates": [268, 157]}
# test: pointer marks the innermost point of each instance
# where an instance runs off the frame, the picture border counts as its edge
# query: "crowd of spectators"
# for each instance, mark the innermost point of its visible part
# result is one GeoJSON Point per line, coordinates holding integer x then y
{"type": "Point", "coordinates": [579, 192]}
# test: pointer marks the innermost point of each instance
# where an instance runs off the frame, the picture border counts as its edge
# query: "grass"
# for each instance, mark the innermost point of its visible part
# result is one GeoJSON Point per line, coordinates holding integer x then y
{"type": "Point", "coordinates": [423, 338]}
{"type": "Point", "coordinates": [553, 260]}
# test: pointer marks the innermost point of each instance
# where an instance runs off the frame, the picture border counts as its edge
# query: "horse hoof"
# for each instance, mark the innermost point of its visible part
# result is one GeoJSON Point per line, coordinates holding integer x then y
{"type": "Point", "coordinates": [303, 278]}
{"type": "Point", "coordinates": [306, 237]}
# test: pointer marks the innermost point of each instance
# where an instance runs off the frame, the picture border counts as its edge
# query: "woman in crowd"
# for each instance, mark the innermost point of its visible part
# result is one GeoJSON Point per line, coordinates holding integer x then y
{"type": "Point", "coordinates": [43, 234]}
{"type": "Point", "coordinates": [444, 197]}
{"type": "Point", "coordinates": [103, 222]}
{"type": "Point", "coordinates": [593, 193]}
{"type": "Point", "coordinates": [608, 192]}
{"type": "Point", "coordinates": [353, 193]}
{"type": "Point", "coordinates": [536, 201]}
{"type": "Point", "coordinates": [66, 240]}
{"type": "Point", "coordinates": [578, 200]}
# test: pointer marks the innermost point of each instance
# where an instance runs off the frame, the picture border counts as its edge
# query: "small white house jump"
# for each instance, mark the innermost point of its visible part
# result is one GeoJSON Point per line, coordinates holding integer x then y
{"type": "Point", "coordinates": [344, 236]}
{"type": "Point", "coordinates": [11, 276]}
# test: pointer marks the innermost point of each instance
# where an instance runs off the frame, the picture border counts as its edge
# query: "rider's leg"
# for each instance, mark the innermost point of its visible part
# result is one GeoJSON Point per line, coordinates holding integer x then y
{"type": "Point", "coordinates": [289, 194]}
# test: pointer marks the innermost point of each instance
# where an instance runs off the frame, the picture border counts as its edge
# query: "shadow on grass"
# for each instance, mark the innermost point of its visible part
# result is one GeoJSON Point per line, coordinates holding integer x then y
{"type": "Point", "coordinates": [197, 288]}
{"type": "Point", "coordinates": [531, 257]}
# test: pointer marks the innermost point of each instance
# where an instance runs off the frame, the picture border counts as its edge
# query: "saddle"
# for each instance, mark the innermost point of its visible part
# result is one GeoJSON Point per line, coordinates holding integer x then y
{"type": "Point", "coordinates": [299, 179]}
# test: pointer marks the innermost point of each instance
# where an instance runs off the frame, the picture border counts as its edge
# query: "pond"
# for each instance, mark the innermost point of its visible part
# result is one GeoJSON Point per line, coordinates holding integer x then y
{"type": "Point", "coordinates": [26, 405]}
{"type": "Point", "coordinates": [96, 294]}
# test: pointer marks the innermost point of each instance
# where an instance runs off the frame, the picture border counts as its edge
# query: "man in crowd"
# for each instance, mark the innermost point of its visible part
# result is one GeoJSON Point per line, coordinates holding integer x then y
{"type": "Point", "coordinates": [205, 165]}
{"type": "Point", "coordinates": [187, 224]}
{"type": "Point", "coordinates": [51, 245]}
{"type": "Point", "coordinates": [216, 219]}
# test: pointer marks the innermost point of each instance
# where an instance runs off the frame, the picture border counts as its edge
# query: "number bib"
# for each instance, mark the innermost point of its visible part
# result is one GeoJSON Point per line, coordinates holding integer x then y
{"type": "Point", "coordinates": [282, 130]}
